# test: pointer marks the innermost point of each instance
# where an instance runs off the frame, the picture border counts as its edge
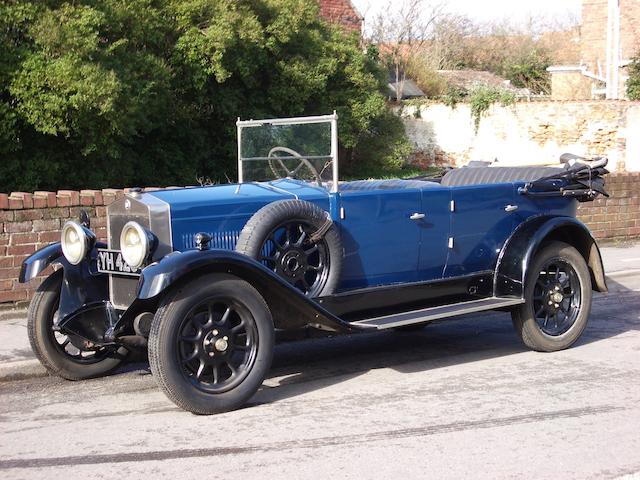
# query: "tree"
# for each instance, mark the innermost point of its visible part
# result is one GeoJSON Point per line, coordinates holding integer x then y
{"type": "Point", "coordinates": [97, 93]}
{"type": "Point", "coordinates": [633, 83]}
{"type": "Point", "coordinates": [401, 29]}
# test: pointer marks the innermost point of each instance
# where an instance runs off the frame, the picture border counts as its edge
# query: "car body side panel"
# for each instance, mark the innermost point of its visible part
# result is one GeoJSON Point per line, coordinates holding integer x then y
{"type": "Point", "coordinates": [381, 244]}
{"type": "Point", "coordinates": [479, 227]}
{"type": "Point", "coordinates": [223, 210]}
{"type": "Point", "coordinates": [434, 232]}
{"type": "Point", "coordinates": [529, 206]}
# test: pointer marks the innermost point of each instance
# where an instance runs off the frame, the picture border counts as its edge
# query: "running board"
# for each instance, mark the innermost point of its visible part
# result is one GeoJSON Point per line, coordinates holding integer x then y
{"type": "Point", "coordinates": [434, 313]}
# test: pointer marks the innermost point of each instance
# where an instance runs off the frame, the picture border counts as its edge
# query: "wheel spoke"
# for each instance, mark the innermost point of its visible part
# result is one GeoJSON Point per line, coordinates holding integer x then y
{"type": "Point", "coordinates": [200, 370]}
{"type": "Point", "coordinates": [540, 311]}
{"type": "Point", "coordinates": [225, 316]}
{"type": "Point", "coordinates": [232, 367]}
{"type": "Point", "coordinates": [302, 238]}
{"type": "Point", "coordinates": [216, 373]}
{"type": "Point", "coordinates": [193, 339]}
{"type": "Point", "coordinates": [311, 250]}
{"type": "Point", "coordinates": [238, 327]}
{"type": "Point", "coordinates": [287, 232]}
{"type": "Point", "coordinates": [278, 245]}
{"type": "Point", "coordinates": [191, 357]}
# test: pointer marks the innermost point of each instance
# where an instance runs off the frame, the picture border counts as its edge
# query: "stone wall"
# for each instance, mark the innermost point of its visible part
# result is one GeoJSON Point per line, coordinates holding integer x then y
{"type": "Point", "coordinates": [531, 133]}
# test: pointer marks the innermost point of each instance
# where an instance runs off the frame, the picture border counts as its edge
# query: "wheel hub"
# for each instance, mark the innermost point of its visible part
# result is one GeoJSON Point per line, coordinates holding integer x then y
{"type": "Point", "coordinates": [293, 262]}
{"type": "Point", "coordinates": [216, 342]}
{"type": "Point", "coordinates": [557, 297]}
{"type": "Point", "coordinates": [554, 297]}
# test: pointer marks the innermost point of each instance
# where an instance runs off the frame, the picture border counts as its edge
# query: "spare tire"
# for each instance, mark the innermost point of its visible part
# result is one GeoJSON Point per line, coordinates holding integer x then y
{"type": "Point", "coordinates": [299, 242]}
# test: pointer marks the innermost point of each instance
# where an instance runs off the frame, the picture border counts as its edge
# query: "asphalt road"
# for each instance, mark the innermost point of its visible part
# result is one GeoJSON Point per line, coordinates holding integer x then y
{"type": "Point", "coordinates": [461, 398]}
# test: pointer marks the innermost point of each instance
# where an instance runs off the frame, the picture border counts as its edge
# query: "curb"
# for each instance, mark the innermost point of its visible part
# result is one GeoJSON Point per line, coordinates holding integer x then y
{"type": "Point", "coordinates": [13, 313]}
{"type": "Point", "coordinates": [21, 370]}
{"type": "Point", "coordinates": [623, 273]}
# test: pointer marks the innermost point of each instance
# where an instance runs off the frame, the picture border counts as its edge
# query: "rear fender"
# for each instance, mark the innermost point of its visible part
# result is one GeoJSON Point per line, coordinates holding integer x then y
{"type": "Point", "coordinates": [290, 308]}
{"type": "Point", "coordinates": [523, 244]}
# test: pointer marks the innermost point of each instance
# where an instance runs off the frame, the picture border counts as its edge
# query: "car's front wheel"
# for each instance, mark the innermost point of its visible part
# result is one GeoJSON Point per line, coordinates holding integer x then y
{"type": "Point", "coordinates": [211, 344]}
{"type": "Point", "coordinates": [62, 354]}
{"type": "Point", "coordinates": [557, 299]}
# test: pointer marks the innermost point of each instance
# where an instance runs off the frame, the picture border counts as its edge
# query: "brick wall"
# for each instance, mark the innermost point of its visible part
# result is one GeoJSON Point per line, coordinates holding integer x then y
{"type": "Point", "coordinates": [616, 217]}
{"type": "Point", "coordinates": [31, 221]}
{"type": "Point", "coordinates": [342, 12]}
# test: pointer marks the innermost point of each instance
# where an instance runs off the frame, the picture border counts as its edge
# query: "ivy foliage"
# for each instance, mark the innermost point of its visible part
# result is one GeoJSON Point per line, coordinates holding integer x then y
{"type": "Point", "coordinates": [633, 83]}
{"type": "Point", "coordinates": [482, 98]}
{"type": "Point", "coordinates": [97, 93]}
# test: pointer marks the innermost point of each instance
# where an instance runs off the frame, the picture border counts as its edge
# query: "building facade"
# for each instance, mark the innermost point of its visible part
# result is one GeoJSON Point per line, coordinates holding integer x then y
{"type": "Point", "coordinates": [609, 39]}
{"type": "Point", "coordinates": [343, 13]}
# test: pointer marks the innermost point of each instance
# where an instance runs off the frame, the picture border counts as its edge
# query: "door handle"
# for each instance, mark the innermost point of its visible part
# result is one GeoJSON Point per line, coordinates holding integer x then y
{"type": "Point", "coordinates": [510, 208]}
{"type": "Point", "coordinates": [417, 216]}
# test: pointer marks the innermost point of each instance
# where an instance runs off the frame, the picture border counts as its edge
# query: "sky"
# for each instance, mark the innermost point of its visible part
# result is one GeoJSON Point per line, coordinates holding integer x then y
{"type": "Point", "coordinates": [487, 10]}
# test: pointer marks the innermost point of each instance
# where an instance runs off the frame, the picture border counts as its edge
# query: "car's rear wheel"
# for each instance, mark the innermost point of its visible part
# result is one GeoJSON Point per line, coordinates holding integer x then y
{"type": "Point", "coordinates": [62, 354]}
{"type": "Point", "coordinates": [211, 344]}
{"type": "Point", "coordinates": [557, 299]}
{"type": "Point", "coordinates": [298, 241]}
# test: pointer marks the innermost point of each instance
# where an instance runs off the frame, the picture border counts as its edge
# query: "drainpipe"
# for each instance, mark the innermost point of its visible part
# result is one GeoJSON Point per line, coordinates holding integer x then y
{"type": "Point", "coordinates": [613, 49]}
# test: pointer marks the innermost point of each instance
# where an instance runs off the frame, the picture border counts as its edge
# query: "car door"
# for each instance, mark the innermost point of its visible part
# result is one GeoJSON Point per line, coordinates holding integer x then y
{"type": "Point", "coordinates": [381, 242]}
{"type": "Point", "coordinates": [481, 221]}
{"type": "Point", "coordinates": [434, 231]}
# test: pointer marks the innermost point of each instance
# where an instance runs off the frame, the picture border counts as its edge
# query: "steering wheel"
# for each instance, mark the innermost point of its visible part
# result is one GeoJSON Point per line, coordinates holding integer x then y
{"type": "Point", "coordinates": [291, 173]}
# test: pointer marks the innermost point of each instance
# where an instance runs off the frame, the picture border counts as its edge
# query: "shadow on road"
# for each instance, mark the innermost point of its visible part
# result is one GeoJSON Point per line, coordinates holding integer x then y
{"type": "Point", "coordinates": [308, 365]}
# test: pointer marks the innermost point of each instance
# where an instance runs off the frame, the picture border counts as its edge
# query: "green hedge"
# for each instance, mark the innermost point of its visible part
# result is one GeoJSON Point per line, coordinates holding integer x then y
{"type": "Point", "coordinates": [97, 93]}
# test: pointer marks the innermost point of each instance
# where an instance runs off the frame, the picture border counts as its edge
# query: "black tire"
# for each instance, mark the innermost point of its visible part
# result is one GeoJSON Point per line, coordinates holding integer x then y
{"type": "Point", "coordinates": [278, 235]}
{"type": "Point", "coordinates": [55, 350]}
{"type": "Point", "coordinates": [558, 297]}
{"type": "Point", "coordinates": [183, 348]}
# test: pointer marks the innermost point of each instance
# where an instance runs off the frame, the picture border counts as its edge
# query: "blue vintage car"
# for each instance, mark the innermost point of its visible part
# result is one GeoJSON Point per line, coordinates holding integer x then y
{"type": "Point", "coordinates": [205, 277]}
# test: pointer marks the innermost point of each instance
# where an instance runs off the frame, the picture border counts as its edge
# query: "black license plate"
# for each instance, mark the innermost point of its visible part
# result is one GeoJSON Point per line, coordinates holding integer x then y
{"type": "Point", "coordinates": [111, 261]}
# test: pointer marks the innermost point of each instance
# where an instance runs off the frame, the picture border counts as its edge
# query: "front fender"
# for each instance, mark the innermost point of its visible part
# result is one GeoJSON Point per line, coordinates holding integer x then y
{"type": "Point", "coordinates": [290, 308]}
{"type": "Point", "coordinates": [36, 263]}
{"type": "Point", "coordinates": [521, 247]}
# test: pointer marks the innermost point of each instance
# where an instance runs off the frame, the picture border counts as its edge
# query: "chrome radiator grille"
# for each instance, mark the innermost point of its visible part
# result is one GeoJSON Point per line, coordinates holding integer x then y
{"type": "Point", "coordinates": [151, 213]}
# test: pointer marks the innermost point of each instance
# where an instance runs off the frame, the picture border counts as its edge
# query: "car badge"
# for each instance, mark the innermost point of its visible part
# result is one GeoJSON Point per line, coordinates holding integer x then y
{"type": "Point", "coordinates": [127, 204]}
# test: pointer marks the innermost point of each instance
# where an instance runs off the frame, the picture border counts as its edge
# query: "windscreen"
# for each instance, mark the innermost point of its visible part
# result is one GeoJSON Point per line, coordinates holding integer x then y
{"type": "Point", "coordinates": [272, 151]}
